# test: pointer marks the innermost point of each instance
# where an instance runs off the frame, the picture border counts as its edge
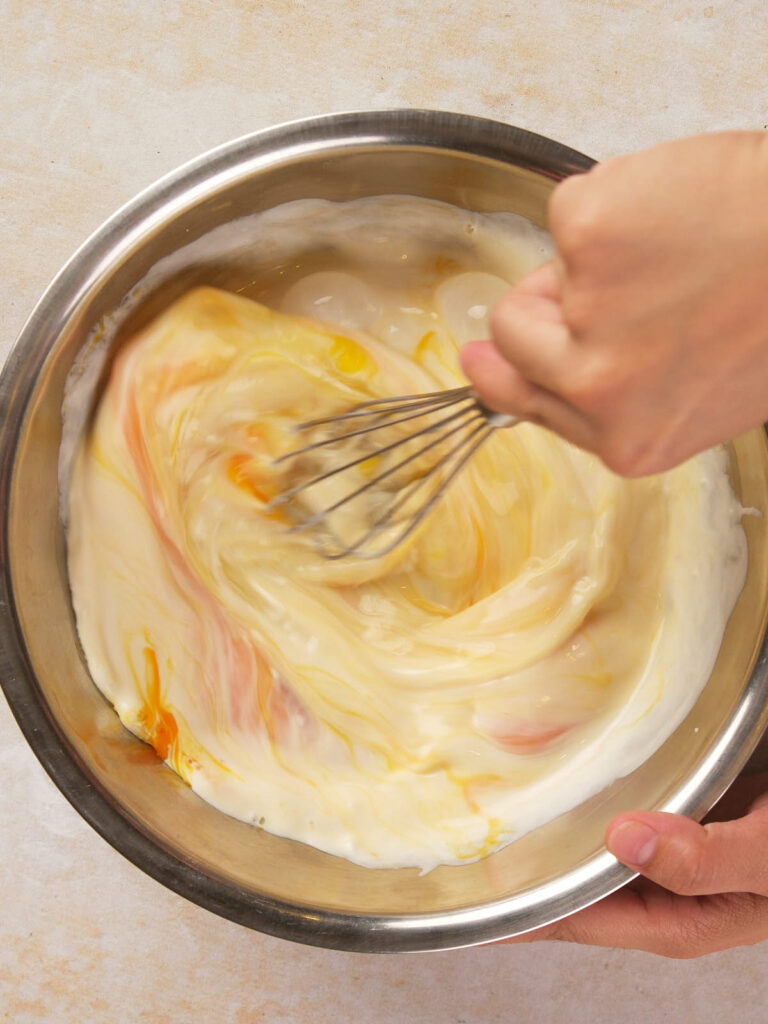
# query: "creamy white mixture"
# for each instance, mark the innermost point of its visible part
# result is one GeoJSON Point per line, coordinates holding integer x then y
{"type": "Point", "coordinates": [541, 636]}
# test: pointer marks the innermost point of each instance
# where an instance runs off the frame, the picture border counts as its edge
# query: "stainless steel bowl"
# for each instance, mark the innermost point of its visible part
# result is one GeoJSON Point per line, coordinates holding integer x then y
{"type": "Point", "coordinates": [116, 782]}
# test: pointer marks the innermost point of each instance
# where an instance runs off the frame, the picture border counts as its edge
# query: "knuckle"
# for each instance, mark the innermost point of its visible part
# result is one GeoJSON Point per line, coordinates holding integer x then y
{"type": "Point", "coordinates": [621, 459]}
{"type": "Point", "coordinates": [580, 312]}
{"type": "Point", "coordinates": [575, 217]}
{"type": "Point", "coordinates": [501, 319]}
{"type": "Point", "coordinates": [593, 382]}
{"type": "Point", "coordinates": [689, 872]}
{"type": "Point", "coordinates": [511, 318]}
{"type": "Point", "coordinates": [628, 455]}
{"type": "Point", "coordinates": [565, 199]}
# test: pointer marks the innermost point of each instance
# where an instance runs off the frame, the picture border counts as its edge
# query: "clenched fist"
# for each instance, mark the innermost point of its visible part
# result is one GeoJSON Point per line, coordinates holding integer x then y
{"type": "Point", "coordinates": [646, 339]}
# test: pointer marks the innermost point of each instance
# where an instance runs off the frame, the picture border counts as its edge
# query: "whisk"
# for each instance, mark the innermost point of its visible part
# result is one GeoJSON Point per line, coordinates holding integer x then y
{"type": "Point", "coordinates": [397, 473]}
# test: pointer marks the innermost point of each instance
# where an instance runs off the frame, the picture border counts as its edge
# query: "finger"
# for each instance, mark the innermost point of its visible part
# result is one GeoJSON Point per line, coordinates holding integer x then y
{"type": "Point", "coordinates": [545, 281]}
{"type": "Point", "coordinates": [527, 328]}
{"type": "Point", "coordinates": [657, 921]}
{"type": "Point", "coordinates": [572, 209]}
{"type": "Point", "coordinates": [693, 859]}
{"type": "Point", "coordinates": [499, 384]}
{"type": "Point", "coordinates": [503, 388]}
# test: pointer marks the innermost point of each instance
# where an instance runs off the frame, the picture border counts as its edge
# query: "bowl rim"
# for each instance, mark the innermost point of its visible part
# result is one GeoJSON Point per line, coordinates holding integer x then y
{"type": "Point", "coordinates": [410, 128]}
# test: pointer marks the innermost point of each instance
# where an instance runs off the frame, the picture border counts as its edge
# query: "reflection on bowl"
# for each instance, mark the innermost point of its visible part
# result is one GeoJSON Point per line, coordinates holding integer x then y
{"type": "Point", "coordinates": [117, 783]}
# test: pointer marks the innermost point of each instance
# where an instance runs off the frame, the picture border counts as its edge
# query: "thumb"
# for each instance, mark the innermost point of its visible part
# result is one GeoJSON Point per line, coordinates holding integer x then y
{"type": "Point", "coordinates": [692, 859]}
{"type": "Point", "coordinates": [499, 385]}
{"type": "Point", "coordinates": [503, 388]}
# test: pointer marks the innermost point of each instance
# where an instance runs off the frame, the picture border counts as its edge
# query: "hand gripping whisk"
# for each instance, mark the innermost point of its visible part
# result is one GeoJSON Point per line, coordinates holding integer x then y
{"type": "Point", "coordinates": [369, 473]}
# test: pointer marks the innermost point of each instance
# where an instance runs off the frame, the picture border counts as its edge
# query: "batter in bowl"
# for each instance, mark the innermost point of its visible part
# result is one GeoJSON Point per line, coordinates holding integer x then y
{"type": "Point", "coordinates": [541, 636]}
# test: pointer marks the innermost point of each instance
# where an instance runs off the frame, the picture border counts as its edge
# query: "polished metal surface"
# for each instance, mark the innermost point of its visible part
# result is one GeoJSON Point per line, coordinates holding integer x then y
{"type": "Point", "coordinates": [117, 783]}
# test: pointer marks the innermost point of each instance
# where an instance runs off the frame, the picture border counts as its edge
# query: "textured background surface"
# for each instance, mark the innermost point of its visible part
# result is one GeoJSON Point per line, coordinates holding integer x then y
{"type": "Point", "coordinates": [97, 100]}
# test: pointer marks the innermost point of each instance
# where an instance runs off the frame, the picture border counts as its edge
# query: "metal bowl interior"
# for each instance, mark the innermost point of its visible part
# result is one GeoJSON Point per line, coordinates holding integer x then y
{"type": "Point", "coordinates": [117, 783]}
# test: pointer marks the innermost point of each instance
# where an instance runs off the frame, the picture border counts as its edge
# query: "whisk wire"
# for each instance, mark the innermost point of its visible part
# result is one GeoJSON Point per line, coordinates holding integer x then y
{"type": "Point", "coordinates": [484, 430]}
{"type": "Point", "coordinates": [464, 429]}
{"type": "Point", "coordinates": [380, 406]}
{"type": "Point", "coordinates": [335, 438]}
{"type": "Point", "coordinates": [281, 499]}
{"type": "Point", "coordinates": [374, 481]}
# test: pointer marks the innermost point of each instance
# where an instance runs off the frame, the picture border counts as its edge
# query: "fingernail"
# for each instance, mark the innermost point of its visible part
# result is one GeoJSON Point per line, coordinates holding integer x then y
{"type": "Point", "coordinates": [633, 843]}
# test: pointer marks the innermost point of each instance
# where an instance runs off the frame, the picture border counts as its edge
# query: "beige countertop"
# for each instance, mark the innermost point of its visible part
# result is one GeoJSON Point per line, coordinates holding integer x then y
{"type": "Point", "coordinates": [100, 98]}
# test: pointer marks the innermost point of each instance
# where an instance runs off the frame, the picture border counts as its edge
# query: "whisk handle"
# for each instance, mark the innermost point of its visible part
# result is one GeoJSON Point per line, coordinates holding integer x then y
{"type": "Point", "coordinates": [500, 419]}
